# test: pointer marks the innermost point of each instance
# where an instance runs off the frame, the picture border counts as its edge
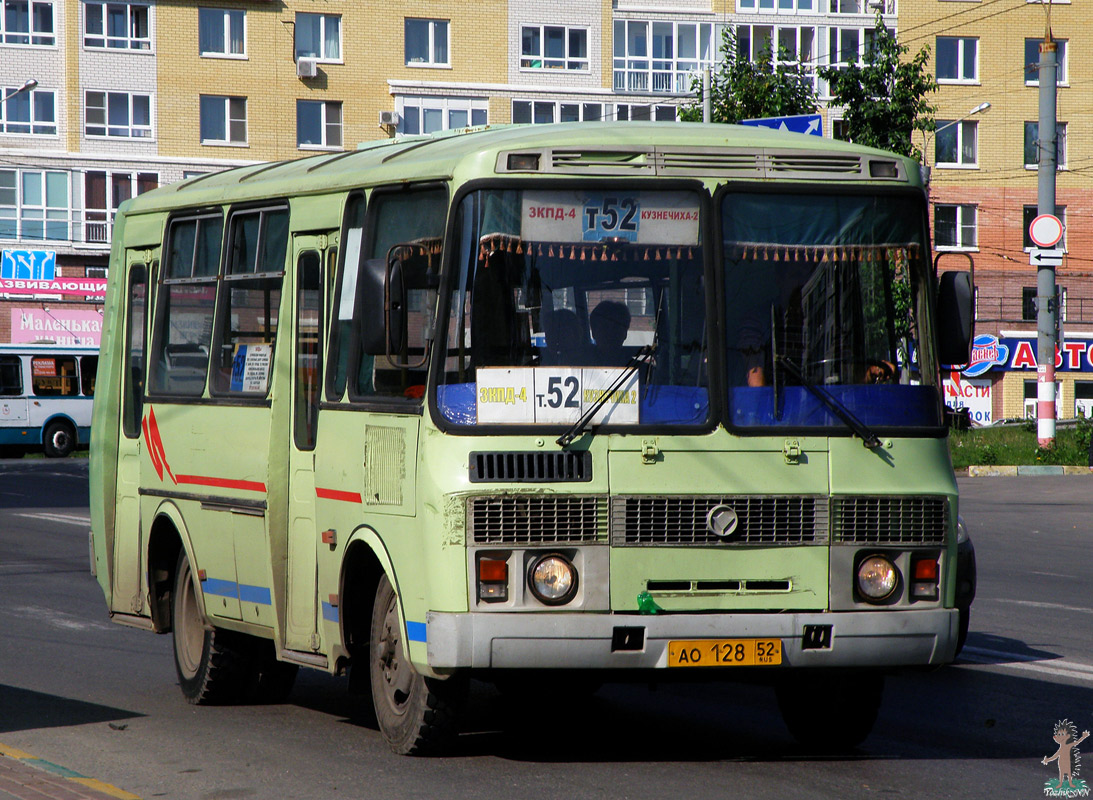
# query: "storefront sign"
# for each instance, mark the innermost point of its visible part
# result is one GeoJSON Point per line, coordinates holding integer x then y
{"type": "Point", "coordinates": [63, 326]}
{"type": "Point", "coordinates": [82, 287]}
{"type": "Point", "coordinates": [1006, 353]}
{"type": "Point", "coordinates": [973, 394]}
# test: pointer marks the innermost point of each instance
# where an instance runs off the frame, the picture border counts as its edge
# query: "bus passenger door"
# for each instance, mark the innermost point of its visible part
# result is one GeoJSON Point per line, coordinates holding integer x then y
{"type": "Point", "coordinates": [302, 613]}
{"type": "Point", "coordinates": [127, 594]}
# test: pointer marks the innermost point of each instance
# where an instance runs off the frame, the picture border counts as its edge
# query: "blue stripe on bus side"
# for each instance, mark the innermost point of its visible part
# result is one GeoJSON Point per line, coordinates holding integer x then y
{"type": "Point", "coordinates": [415, 631]}
{"type": "Point", "coordinates": [259, 595]}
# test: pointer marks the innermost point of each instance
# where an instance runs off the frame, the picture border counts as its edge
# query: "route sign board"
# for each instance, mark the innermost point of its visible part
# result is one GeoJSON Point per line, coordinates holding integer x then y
{"type": "Point", "coordinates": [1046, 230]}
{"type": "Point", "coordinates": [811, 124]}
{"type": "Point", "coordinates": [1045, 258]}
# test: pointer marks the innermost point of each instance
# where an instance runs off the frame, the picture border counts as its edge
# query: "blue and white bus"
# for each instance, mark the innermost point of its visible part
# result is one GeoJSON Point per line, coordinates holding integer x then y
{"type": "Point", "coordinates": [45, 398]}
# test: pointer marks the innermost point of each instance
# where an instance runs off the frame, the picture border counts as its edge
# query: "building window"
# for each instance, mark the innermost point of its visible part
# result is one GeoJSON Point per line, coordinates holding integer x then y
{"type": "Point", "coordinates": [661, 56]}
{"type": "Point", "coordinates": [34, 204]}
{"type": "Point", "coordinates": [117, 26]}
{"type": "Point", "coordinates": [427, 42]}
{"type": "Point", "coordinates": [553, 47]}
{"type": "Point", "coordinates": [104, 192]}
{"type": "Point", "coordinates": [31, 112]}
{"type": "Point", "coordinates": [223, 120]}
{"type": "Point", "coordinates": [318, 124]}
{"type": "Point", "coordinates": [795, 46]}
{"type": "Point", "coordinates": [957, 60]}
{"type": "Point", "coordinates": [1029, 213]}
{"type": "Point", "coordinates": [545, 111]}
{"type": "Point", "coordinates": [781, 6]}
{"type": "Point", "coordinates": [120, 114]}
{"type": "Point", "coordinates": [1032, 145]}
{"type": "Point", "coordinates": [955, 143]}
{"type": "Point", "coordinates": [222, 32]}
{"type": "Point", "coordinates": [430, 114]}
{"type": "Point", "coordinates": [319, 36]}
{"type": "Point", "coordinates": [626, 112]}
{"type": "Point", "coordinates": [1032, 62]}
{"type": "Point", "coordinates": [955, 227]}
{"type": "Point", "coordinates": [26, 22]}
{"type": "Point", "coordinates": [848, 7]}
{"type": "Point", "coordinates": [1028, 303]}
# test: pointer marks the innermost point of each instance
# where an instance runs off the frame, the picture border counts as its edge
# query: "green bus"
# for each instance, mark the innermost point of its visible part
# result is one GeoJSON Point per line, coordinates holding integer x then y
{"type": "Point", "coordinates": [550, 406]}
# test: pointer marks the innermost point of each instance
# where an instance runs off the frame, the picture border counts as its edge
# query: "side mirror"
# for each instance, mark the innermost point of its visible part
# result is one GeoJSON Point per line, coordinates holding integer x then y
{"type": "Point", "coordinates": [955, 327]}
{"type": "Point", "coordinates": [383, 307]}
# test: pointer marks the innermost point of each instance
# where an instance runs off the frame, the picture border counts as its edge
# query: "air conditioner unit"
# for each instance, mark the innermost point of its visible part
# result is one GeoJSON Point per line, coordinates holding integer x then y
{"type": "Point", "coordinates": [306, 68]}
{"type": "Point", "coordinates": [389, 118]}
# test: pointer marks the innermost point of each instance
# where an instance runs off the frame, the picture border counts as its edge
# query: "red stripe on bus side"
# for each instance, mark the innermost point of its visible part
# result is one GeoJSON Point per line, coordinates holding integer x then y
{"type": "Point", "coordinates": [337, 494]}
{"type": "Point", "coordinates": [222, 483]}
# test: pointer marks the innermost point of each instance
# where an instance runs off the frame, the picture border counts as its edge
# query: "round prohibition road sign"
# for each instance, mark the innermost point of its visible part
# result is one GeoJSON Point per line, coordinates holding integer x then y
{"type": "Point", "coordinates": [1046, 230]}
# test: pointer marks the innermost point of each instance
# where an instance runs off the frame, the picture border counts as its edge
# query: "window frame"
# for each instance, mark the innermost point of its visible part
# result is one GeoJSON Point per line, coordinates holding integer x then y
{"type": "Point", "coordinates": [584, 63]}
{"type": "Point", "coordinates": [131, 128]}
{"type": "Point", "coordinates": [1060, 145]}
{"type": "Point", "coordinates": [476, 108]}
{"type": "Point", "coordinates": [228, 101]}
{"type": "Point", "coordinates": [226, 15]}
{"type": "Point", "coordinates": [41, 215]}
{"type": "Point", "coordinates": [432, 25]}
{"type": "Point", "coordinates": [325, 125]}
{"type": "Point", "coordinates": [323, 19]}
{"type": "Point", "coordinates": [35, 101]}
{"type": "Point", "coordinates": [102, 39]}
{"type": "Point", "coordinates": [33, 36]}
{"type": "Point", "coordinates": [960, 224]}
{"type": "Point", "coordinates": [639, 69]}
{"type": "Point", "coordinates": [1062, 73]}
{"type": "Point", "coordinates": [960, 61]}
{"type": "Point", "coordinates": [959, 128]}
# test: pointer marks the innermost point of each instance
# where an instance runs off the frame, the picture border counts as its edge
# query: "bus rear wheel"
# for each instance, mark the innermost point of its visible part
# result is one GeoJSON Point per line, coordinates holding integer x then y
{"type": "Point", "coordinates": [58, 440]}
{"type": "Point", "coordinates": [416, 715]}
{"type": "Point", "coordinates": [213, 666]}
{"type": "Point", "coordinates": [830, 712]}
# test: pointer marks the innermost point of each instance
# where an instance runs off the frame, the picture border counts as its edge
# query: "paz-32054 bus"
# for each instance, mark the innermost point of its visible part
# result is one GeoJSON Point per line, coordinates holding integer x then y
{"type": "Point", "coordinates": [591, 400]}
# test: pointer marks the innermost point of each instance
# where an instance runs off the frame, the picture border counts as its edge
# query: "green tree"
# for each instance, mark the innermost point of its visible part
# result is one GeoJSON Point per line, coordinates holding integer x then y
{"type": "Point", "coordinates": [885, 97]}
{"type": "Point", "coordinates": [745, 89]}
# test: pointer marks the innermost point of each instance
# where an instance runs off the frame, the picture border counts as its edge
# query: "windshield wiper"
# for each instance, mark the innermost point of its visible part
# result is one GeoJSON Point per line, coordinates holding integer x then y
{"type": "Point", "coordinates": [869, 439]}
{"type": "Point", "coordinates": [641, 357]}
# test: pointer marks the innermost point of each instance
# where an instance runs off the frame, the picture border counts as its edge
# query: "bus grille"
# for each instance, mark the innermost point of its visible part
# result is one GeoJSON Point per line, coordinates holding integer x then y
{"type": "Point", "coordinates": [538, 467]}
{"type": "Point", "coordinates": [762, 520]}
{"type": "Point", "coordinates": [890, 520]}
{"type": "Point", "coordinates": [537, 519]}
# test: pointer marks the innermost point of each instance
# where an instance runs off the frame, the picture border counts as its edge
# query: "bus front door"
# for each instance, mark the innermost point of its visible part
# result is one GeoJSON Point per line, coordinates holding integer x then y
{"type": "Point", "coordinates": [301, 628]}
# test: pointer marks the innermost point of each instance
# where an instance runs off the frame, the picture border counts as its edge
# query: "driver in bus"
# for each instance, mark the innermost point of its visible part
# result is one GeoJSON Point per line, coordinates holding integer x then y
{"type": "Point", "coordinates": [610, 323]}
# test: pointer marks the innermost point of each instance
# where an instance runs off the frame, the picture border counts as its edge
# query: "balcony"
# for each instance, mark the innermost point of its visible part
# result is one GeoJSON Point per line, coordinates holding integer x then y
{"type": "Point", "coordinates": [661, 77]}
{"type": "Point", "coordinates": [76, 228]}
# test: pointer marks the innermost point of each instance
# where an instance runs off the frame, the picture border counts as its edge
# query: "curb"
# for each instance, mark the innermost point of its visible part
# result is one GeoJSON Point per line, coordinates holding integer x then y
{"type": "Point", "coordinates": [995, 471]}
{"type": "Point", "coordinates": [23, 776]}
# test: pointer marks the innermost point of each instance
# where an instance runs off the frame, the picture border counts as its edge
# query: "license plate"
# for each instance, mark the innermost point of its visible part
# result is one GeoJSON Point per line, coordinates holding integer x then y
{"type": "Point", "coordinates": [725, 653]}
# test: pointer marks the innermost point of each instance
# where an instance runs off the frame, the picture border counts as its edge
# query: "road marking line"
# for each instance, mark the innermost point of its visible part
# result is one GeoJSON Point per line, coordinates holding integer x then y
{"type": "Point", "coordinates": [1060, 667]}
{"type": "Point", "coordinates": [67, 774]}
{"type": "Point", "coordinates": [1052, 606]}
{"type": "Point", "coordinates": [68, 519]}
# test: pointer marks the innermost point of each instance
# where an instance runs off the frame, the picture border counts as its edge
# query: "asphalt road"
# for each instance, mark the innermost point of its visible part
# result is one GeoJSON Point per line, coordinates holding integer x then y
{"type": "Point", "coordinates": [102, 700]}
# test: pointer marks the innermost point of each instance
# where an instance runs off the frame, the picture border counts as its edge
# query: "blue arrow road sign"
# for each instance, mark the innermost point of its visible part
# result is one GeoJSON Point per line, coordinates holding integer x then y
{"type": "Point", "coordinates": [811, 124]}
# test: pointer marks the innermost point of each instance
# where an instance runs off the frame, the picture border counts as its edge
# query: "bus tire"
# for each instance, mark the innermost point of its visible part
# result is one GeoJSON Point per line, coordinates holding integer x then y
{"type": "Point", "coordinates": [58, 439]}
{"type": "Point", "coordinates": [416, 715]}
{"type": "Point", "coordinates": [213, 667]}
{"type": "Point", "coordinates": [830, 712]}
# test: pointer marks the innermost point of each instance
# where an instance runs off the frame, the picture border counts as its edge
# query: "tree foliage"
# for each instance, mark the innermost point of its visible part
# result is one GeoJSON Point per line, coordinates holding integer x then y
{"type": "Point", "coordinates": [745, 89]}
{"type": "Point", "coordinates": [884, 97]}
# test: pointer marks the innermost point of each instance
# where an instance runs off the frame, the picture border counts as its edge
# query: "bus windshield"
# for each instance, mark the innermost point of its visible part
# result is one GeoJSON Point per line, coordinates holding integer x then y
{"type": "Point", "coordinates": [561, 296]}
{"type": "Point", "coordinates": [823, 297]}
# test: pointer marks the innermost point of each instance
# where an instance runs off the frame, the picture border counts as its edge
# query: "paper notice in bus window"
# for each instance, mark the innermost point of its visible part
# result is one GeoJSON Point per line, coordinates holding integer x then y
{"type": "Point", "coordinates": [554, 395]}
{"type": "Point", "coordinates": [638, 217]}
{"type": "Point", "coordinates": [43, 367]}
{"type": "Point", "coordinates": [250, 368]}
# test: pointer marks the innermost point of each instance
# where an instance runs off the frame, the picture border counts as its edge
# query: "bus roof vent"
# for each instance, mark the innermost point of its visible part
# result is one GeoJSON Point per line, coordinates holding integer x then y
{"type": "Point", "coordinates": [607, 161]}
{"type": "Point", "coordinates": [828, 166]}
{"type": "Point", "coordinates": [710, 161]}
{"type": "Point", "coordinates": [533, 467]}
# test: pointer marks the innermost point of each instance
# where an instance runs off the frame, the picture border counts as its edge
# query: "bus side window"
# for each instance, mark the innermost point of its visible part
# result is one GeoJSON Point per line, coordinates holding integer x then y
{"type": "Point", "coordinates": [89, 367]}
{"type": "Point", "coordinates": [137, 307]}
{"type": "Point", "coordinates": [344, 296]}
{"type": "Point", "coordinates": [53, 376]}
{"type": "Point", "coordinates": [11, 376]}
{"type": "Point", "coordinates": [251, 289]}
{"type": "Point", "coordinates": [309, 298]}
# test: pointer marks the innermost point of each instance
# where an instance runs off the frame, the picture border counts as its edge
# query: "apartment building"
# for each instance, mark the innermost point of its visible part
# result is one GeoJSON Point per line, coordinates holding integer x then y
{"type": "Point", "coordinates": [983, 188]}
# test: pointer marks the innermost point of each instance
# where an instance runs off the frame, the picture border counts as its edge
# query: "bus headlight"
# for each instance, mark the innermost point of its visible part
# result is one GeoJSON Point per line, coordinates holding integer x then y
{"type": "Point", "coordinates": [552, 579]}
{"type": "Point", "coordinates": [877, 578]}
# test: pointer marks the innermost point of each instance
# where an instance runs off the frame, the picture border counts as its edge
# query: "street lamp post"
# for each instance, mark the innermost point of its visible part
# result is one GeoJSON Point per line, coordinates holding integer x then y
{"type": "Point", "coordinates": [26, 87]}
{"type": "Point", "coordinates": [979, 109]}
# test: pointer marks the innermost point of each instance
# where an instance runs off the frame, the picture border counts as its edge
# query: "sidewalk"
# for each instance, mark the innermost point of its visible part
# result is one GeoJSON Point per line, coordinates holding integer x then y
{"type": "Point", "coordinates": [995, 470]}
{"type": "Point", "coordinates": [24, 777]}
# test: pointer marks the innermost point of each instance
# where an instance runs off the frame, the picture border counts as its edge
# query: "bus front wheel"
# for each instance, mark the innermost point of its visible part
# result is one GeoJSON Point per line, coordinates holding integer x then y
{"type": "Point", "coordinates": [58, 440]}
{"type": "Point", "coordinates": [416, 715]}
{"type": "Point", "coordinates": [829, 711]}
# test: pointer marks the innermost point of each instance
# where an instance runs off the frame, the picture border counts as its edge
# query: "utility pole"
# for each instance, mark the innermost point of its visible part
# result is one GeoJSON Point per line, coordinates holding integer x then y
{"type": "Point", "coordinates": [1045, 276]}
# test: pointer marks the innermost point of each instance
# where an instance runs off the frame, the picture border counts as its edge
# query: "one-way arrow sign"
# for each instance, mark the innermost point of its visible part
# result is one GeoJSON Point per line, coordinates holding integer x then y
{"type": "Point", "coordinates": [1045, 258]}
{"type": "Point", "coordinates": [811, 124]}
